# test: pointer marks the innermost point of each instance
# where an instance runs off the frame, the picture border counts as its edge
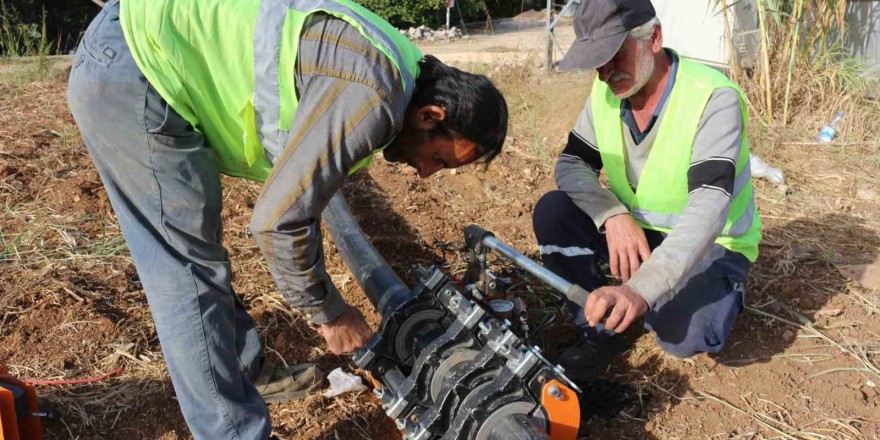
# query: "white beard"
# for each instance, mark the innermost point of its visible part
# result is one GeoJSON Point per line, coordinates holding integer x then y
{"type": "Point", "coordinates": [644, 69]}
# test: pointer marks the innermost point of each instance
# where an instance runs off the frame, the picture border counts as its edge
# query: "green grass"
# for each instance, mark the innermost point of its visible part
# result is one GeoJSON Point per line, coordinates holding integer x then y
{"type": "Point", "coordinates": [108, 244]}
{"type": "Point", "coordinates": [19, 39]}
{"type": "Point", "coordinates": [48, 236]}
{"type": "Point", "coordinates": [8, 251]}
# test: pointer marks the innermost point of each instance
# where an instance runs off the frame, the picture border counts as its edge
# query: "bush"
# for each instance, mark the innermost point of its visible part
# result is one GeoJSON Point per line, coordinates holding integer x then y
{"type": "Point", "coordinates": [406, 13]}
{"type": "Point", "coordinates": [22, 23]}
{"type": "Point", "coordinates": [18, 38]}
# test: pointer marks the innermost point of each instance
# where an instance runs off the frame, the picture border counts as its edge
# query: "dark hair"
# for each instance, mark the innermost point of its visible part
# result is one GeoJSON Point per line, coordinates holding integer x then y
{"type": "Point", "coordinates": [475, 109]}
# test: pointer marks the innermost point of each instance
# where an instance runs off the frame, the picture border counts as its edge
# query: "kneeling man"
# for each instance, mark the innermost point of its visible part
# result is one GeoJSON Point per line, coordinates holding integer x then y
{"type": "Point", "coordinates": [679, 225]}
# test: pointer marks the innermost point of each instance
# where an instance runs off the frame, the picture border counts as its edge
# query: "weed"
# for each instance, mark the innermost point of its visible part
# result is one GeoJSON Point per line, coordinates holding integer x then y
{"type": "Point", "coordinates": [802, 66]}
{"type": "Point", "coordinates": [831, 256]}
{"type": "Point", "coordinates": [19, 39]}
{"type": "Point", "coordinates": [7, 249]}
{"type": "Point", "coordinates": [877, 154]}
{"type": "Point", "coordinates": [108, 244]}
{"type": "Point", "coordinates": [539, 118]}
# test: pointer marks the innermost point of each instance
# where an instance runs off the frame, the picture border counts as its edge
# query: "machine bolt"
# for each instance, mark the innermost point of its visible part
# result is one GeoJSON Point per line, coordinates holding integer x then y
{"type": "Point", "coordinates": [484, 328]}
{"type": "Point", "coordinates": [555, 392]}
{"type": "Point", "coordinates": [414, 418]}
{"type": "Point", "coordinates": [542, 379]}
{"type": "Point", "coordinates": [454, 303]}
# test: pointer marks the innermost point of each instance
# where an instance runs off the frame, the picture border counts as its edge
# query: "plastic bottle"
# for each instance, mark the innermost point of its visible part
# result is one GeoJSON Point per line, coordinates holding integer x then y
{"type": "Point", "coordinates": [828, 131]}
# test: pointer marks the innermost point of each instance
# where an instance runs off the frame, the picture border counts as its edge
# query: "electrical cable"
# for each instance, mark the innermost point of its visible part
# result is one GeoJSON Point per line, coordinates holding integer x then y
{"type": "Point", "coordinates": [115, 372]}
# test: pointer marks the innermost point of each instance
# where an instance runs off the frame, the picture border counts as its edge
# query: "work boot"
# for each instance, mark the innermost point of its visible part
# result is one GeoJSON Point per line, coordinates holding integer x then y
{"type": "Point", "coordinates": [585, 360]}
{"type": "Point", "coordinates": [589, 357]}
{"type": "Point", "coordinates": [604, 399]}
{"type": "Point", "coordinates": [282, 385]}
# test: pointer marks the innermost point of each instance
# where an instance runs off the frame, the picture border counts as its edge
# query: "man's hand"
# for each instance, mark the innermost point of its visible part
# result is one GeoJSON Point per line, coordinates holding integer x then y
{"type": "Point", "coordinates": [625, 303]}
{"type": "Point", "coordinates": [627, 246]}
{"type": "Point", "coordinates": [348, 332]}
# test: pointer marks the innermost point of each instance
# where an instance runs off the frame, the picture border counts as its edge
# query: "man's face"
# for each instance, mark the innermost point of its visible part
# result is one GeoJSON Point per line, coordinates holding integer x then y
{"type": "Point", "coordinates": [630, 69]}
{"type": "Point", "coordinates": [424, 148]}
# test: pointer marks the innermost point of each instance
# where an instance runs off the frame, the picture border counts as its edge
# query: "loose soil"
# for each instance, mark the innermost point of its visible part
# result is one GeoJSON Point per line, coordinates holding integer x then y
{"type": "Point", "coordinates": [71, 305]}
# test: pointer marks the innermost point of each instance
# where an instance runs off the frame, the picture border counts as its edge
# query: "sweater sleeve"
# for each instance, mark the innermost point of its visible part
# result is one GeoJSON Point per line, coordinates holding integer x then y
{"type": "Point", "coordinates": [577, 172]}
{"type": "Point", "coordinates": [711, 178]}
{"type": "Point", "coordinates": [351, 102]}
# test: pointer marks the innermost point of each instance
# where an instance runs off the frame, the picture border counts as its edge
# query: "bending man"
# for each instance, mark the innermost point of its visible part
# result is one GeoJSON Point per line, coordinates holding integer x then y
{"type": "Point", "coordinates": [170, 94]}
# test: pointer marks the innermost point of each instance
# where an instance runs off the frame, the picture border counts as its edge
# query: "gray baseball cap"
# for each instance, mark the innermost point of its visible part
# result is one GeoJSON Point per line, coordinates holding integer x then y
{"type": "Point", "coordinates": [600, 27]}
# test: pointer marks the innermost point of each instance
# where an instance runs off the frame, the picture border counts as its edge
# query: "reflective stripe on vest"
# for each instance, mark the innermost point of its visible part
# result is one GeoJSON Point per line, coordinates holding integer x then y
{"type": "Point", "coordinates": [227, 67]}
{"type": "Point", "coordinates": [668, 221]}
{"type": "Point", "coordinates": [267, 45]}
{"type": "Point", "coordinates": [737, 229]}
{"type": "Point", "coordinates": [267, 100]}
{"type": "Point", "coordinates": [662, 193]}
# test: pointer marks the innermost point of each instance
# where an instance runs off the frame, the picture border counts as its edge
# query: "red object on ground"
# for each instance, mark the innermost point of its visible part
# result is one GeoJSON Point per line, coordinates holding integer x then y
{"type": "Point", "coordinates": [115, 372]}
{"type": "Point", "coordinates": [13, 427]}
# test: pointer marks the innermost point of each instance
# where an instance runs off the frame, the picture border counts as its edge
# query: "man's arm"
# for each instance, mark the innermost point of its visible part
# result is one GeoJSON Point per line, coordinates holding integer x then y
{"type": "Point", "coordinates": [577, 172]}
{"type": "Point", "coordinates": [687, 248]}
{"type": "Point", "coordinates": [338, 123]}
{"type": "Point", "coordinates": [351, 102]}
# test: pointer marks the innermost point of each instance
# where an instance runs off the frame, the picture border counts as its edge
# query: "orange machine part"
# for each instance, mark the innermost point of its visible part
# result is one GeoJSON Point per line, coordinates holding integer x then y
{"type": "Point", "coordinates": [30, 427]}
{"type": "Point", "coordinates": [376, 384]}
{"type": "Point", "coordinates": [563, 411]}
{"type": "Point", "coordinates": [8, 425]}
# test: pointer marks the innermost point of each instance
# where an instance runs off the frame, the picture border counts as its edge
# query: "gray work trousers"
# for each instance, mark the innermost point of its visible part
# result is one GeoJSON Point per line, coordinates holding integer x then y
{"type": "Point", "coordinates": [697, 319]}
{"type": "Point", "coordinates": [164, 185]}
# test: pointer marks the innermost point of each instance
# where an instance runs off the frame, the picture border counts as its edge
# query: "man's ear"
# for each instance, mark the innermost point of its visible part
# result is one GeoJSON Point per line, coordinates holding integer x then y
{"type": "Point", "coordinates": [657, 39]}
{"type": "Point", "coordinates": [428, 116]}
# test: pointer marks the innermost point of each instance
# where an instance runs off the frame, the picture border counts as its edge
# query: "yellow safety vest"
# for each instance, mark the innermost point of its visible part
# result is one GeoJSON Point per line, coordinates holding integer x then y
{"type": "Point", "coordinates": [662, 193]}
{"type": "Point", "coordinates": [227, 67]}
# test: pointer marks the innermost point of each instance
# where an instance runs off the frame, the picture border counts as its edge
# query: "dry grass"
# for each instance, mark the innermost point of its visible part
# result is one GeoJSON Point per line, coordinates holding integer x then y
{"type": "Point", "coordinates": [543, 108]}
{"type": "Point", "coordinates": [802, 62]}
{"type": "Point", "coordinates": [823, 217]}
{"type": "Point", "coordinates": [54, 259]}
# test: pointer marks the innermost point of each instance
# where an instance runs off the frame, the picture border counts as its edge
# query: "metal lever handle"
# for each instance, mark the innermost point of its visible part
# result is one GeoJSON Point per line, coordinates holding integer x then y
{"type": "Point", "coordinates": [476, 236]}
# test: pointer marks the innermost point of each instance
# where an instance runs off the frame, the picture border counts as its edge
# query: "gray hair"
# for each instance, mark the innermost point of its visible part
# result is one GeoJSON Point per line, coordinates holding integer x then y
{"type": "Point", "coordinates": [645, 31]}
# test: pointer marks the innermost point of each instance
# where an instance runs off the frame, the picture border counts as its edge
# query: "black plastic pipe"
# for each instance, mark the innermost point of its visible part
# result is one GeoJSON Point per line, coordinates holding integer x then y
{"type": "Point", "coordinates": [383, 287]}
{"type": "Point", "coordinates": [386, 291]}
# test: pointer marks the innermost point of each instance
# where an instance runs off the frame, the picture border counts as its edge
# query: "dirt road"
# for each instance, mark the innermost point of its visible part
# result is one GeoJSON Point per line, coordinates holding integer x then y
{"type": "Point", "coordinates": [503, 46]}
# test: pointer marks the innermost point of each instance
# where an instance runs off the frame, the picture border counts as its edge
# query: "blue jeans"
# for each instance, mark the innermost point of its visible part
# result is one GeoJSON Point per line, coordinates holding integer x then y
{"type": "Point", "coordinates": [164, 185]}
{"type": "Point", "coordinates": [696, 319]}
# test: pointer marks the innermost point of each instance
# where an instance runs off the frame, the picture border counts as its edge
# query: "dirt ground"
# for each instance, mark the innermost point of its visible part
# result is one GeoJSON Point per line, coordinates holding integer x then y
{"type": "Point", "coordinates": [801, 364]}
{"type": "Point", "coordinates": [501, 47]}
